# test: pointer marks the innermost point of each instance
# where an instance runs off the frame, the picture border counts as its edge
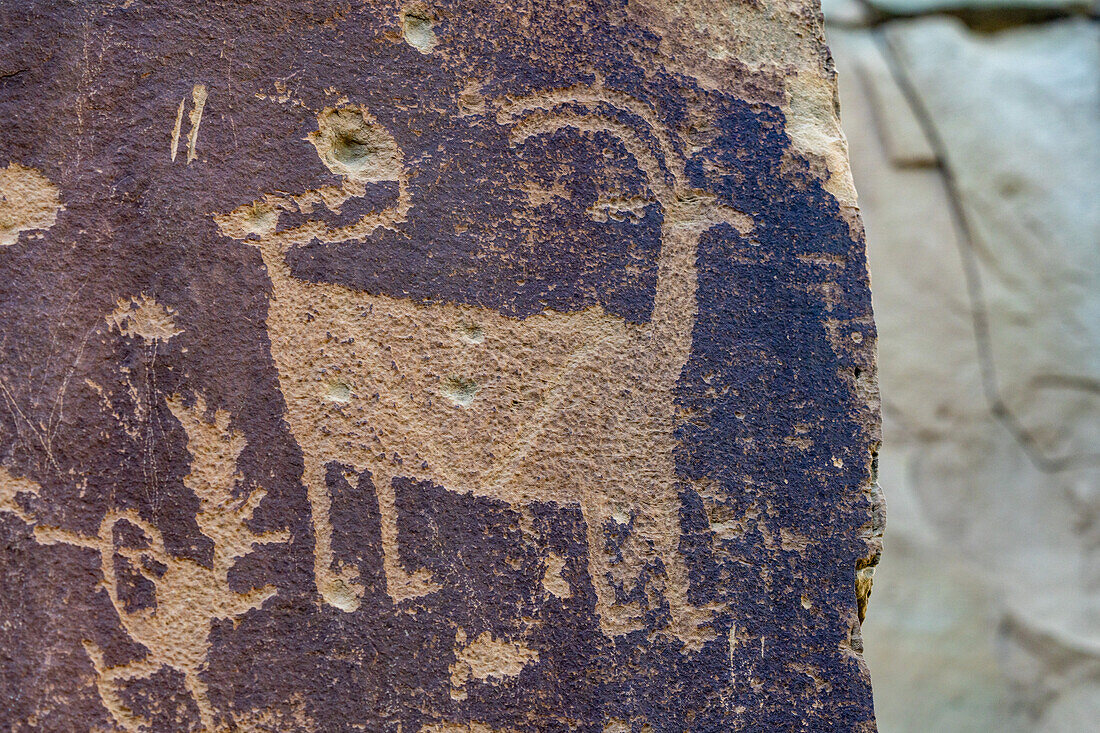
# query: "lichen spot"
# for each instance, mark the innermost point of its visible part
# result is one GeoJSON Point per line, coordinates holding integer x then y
{"type": "Point", "coordinates": [460, 390]}
{"type": "Point", "coordinates": [352, 144]}
{"type": "Point", "coordinates": [256, 219]}
{"type": "Point", "coordinates": [28, 201]}
{"type": "Point", "coordinates": [260, 219]}
{"type": "Point", "coordinates": [338, 392]}
{"type": "Point", "coordinates": [471, 333]}
{"type": "Point", "coordinates": [343, 597]}
{"type": "Point", "coordinates": [418, 30]}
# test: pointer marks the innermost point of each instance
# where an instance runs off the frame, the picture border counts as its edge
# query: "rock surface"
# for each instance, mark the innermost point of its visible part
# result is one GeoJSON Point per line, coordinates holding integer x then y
{"type": "Point", "coordinates": [431, 367]}
{"type": "Point", "coordinates": [977, 158]}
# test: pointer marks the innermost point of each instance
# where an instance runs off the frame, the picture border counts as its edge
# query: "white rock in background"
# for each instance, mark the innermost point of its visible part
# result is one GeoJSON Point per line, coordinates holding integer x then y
{"type": "Point", "coordinates": [931, 632]}
{"type": "Point", "coordinates": [1018, 115]}
{"type": "Point", "coordinates": [930, 381]}
{"type": "Point", "coordinates": [986, 611]}
{"type": "Point", "coordinates": [846, 12]}
{"type": "Point", "coordinates": [922, 7]}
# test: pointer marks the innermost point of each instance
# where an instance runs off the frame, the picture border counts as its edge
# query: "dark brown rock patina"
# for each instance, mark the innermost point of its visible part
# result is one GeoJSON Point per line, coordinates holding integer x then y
{"type": "Point", "coordinates": [430, 367]}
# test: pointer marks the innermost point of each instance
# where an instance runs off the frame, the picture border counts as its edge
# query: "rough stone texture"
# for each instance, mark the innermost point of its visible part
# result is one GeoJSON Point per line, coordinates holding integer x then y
{"type": "Point", "coordinates": [977, 158]}
{"type": "Point", "coordinates": [431, 367]}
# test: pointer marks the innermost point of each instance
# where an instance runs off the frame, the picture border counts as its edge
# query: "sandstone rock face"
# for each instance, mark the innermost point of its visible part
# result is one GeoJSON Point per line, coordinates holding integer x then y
{"type": "Point", "coordinates": [977, 160]}
{"type": "Point", "coordinates": [431, 367]}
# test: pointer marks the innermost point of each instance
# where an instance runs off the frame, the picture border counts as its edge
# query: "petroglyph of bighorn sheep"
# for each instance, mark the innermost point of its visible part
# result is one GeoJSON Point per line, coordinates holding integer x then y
{"type": "Point", "coordinates": [575, 408]}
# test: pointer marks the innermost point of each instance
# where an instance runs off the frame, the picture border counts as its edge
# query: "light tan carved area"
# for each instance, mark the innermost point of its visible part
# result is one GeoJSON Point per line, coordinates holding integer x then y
{"type": "Point", "coordinates": [198, 103]}
{"type": "Point", "coordinates": [189, 596]}
{"type": "Point", "coordinates": [352, 145]}
{"type": "Point", "coordinates": [472, 727]}
{"type": "Point", "coordinates": [291, 717]}
{"type": "Point", "coordinates": [14, 491]}
{"type": "Point", "coordinates": [143, 317]}
{"type": "Point", "coordinates": [618, 725]}
{"type": "Point", "coordinates": [716, 43]}
{"type": "Point", "coordinates": [576, 408]}
{"type": "Point", "coordinates": [198, 98]}
{"type": "Point", "coordinates": [28, 201]}
{"type": "Point", "coordinates": [417, 27]}
{"type": "Point", "coordinates": [553, 578]}
{"type": "Point", "coordinates": [487, 659]}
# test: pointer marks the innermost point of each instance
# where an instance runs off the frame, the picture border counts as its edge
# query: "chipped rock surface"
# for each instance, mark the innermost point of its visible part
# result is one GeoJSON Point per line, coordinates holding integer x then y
{"type": "Point", "coordinates": [977, 157]}
{"type": "Point", "coordinates": [456, 366]}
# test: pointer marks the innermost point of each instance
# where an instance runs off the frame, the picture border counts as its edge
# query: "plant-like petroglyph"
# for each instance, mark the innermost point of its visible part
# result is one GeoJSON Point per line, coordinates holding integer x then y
{"type": "Point", "coordinates": [189, 596]}
{"type": "Point", "coordinates": [144, 318]}
{"type": "Point", "coordinates": [575, 408]}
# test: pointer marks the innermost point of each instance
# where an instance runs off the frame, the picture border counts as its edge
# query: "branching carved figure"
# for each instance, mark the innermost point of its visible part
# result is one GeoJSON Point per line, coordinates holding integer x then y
{"type": "Point", "coordinates": [189, 596]}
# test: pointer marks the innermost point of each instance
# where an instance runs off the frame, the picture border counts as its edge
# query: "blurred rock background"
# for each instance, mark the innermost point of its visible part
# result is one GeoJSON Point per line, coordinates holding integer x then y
{"type": "Point", "coordinates": [974, 133]}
